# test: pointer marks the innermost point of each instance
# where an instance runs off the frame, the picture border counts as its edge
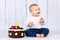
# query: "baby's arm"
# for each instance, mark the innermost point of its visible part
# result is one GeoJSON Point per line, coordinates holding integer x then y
{"type": "Point", "coordinates": [30, 24]}
{"type": "Point", "coordinates": [42, 21]}
{"type": "Point", "coordinates": [28, 21]}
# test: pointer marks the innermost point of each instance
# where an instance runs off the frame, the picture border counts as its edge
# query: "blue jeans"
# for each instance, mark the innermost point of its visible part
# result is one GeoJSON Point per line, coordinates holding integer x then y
{"type": "Point", "coordinates": [32, 32]}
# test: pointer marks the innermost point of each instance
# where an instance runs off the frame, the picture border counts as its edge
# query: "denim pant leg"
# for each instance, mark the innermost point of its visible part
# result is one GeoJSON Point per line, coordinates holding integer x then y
{"type": "Point", "coordinates": [44, 31]}
{"type": "Point", "coordinates": [31, 32]}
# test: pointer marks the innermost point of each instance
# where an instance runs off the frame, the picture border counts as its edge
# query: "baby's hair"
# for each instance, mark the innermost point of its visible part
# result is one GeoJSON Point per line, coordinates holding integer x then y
{"type": "Point", "coordinates": [32, 5]}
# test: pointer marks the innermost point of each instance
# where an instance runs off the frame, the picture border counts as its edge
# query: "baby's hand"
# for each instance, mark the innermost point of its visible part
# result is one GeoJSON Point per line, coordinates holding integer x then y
{"type": "Point", "coordinates": [30, 24]}
{"type": "Point", "coordinates": [41, 20]}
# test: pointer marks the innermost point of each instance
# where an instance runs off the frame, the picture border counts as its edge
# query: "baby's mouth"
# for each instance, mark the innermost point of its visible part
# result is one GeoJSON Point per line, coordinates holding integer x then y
{"type": "Point", "coordinates": [38, 13]}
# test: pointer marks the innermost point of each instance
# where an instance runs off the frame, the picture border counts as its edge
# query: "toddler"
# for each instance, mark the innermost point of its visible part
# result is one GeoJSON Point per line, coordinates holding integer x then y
{"type": "Point", "coordinates": [34, 22]}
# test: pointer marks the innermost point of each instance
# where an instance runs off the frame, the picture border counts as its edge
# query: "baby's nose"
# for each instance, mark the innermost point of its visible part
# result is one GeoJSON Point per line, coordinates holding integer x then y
{"type": "Point", "coordinates": [38, 12]}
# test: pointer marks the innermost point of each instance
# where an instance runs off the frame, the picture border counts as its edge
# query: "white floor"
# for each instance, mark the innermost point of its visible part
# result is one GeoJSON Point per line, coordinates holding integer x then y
{"type": "Point", "coordinates": [51, 36]}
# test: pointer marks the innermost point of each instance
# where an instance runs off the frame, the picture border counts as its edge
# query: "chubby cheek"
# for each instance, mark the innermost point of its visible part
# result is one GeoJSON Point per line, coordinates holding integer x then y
{"type": "Point", "coordinates": [34, 13]}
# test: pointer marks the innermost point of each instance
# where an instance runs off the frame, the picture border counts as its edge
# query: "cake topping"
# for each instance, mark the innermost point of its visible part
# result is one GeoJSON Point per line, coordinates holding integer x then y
{"type": "Point", "coordinates": [16, 26]}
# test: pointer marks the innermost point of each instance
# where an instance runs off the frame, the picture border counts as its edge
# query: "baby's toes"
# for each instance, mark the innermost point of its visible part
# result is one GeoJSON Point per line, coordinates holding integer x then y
{"type": "Point", "coordinates": [42, 35]}
{"type": "Point", "coordinates": [37, 35]}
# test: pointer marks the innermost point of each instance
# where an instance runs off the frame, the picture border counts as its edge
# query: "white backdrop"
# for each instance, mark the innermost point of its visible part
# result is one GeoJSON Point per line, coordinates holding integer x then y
{"type": "Point", "coordinates": [12, 10]}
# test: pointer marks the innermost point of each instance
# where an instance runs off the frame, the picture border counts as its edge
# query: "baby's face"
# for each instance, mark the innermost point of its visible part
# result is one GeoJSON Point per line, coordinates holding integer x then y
{"type": "Point", "coordinates": [35, 10]}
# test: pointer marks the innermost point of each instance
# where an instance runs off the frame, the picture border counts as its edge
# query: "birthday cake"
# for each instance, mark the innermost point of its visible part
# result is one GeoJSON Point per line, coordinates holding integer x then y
{"type": "Point", "coordinates": [16, 32]}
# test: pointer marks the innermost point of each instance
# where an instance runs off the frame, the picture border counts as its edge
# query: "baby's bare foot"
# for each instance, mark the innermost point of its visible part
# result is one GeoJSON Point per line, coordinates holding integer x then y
{"type": "Point", "coordinates": [40, 35]}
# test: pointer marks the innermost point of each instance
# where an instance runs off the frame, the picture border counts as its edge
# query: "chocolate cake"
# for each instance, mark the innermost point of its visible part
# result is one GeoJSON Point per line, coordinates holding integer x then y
{"type": "Point", "coordinates": [14, 32]}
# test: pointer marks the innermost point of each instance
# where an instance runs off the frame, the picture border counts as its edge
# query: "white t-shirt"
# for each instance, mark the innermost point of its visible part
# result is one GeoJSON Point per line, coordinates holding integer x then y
{"type": "Point", "coordinates": [35, 21]}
